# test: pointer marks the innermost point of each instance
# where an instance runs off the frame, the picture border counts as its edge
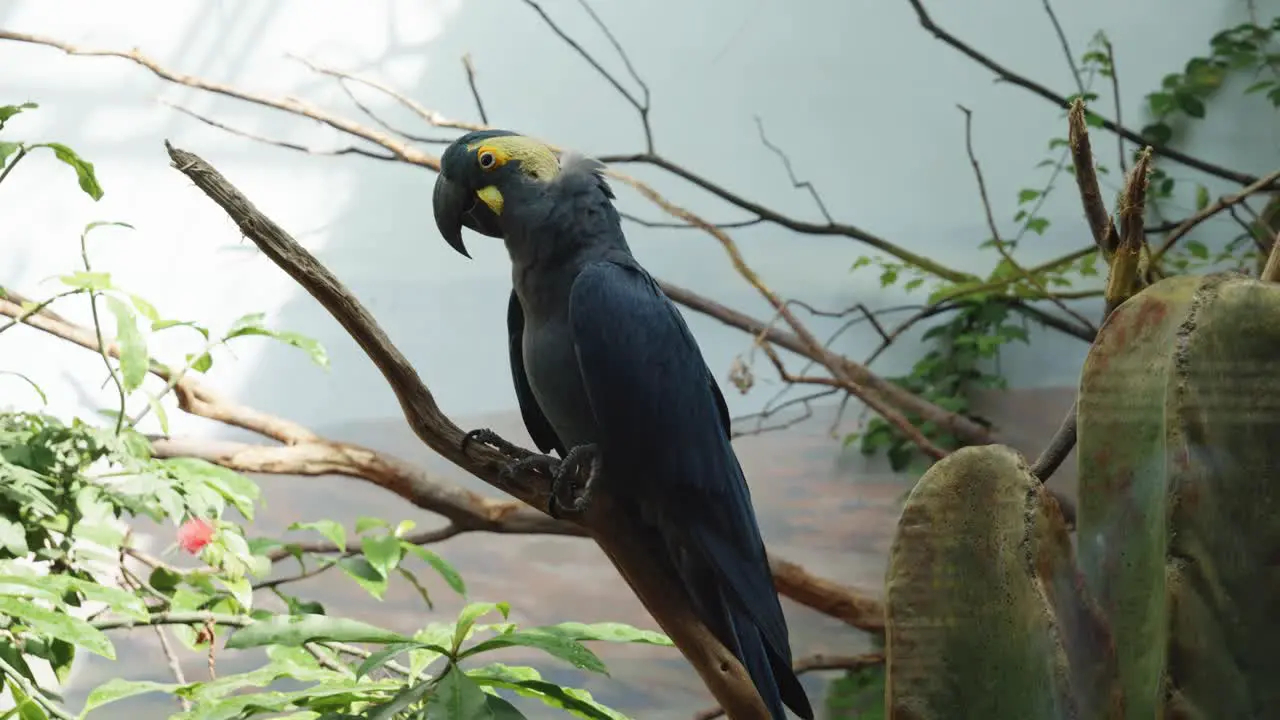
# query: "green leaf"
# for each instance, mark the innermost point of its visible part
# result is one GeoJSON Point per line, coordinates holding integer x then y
{"type": "Point", "coordinates": [104, 223]}
{"type": "Point", "coordinates": [251, 324]}
{"type": "Point", "coordinates": [44, 399]}
{"type": "Point", "coordinates": [458, 697]}
{"type": "Point", "coordinates": [385, 655]}
{"type": "Point", "coordinates": [527, 682]}
{"type": "Point", "coordinates": [332, 531]}
{"type": "Point", "coordinates": [229, 485]}
{"type": "Point", "coordinates": [550, 640]}
{"type": "Point", "coordinates": [113, 690]}
{"type": "Point", "coordinates": [857, 694]}
{"type": "Point", "coordinates": [26, 708]}
{"type": "Point", "coordinates": [365, 574]}
{"type": "Point", "coordinates": [7, 149]}
{"type": "Point", "coordinates": [1158, 133]}
{"type": "Point", "coordinates": [1190, 104]}
{"type": "Point", "coordinates": [13, 537]}
{"type": "Point", "coordinates": [146, 308]}
{"type": "Point", "coordinates": [503, 710]}
{"type": "Point", "coordinates": [120, 601]}
{"type": "Point", "coordinates": [1026, 195]}
{"type": "Point", "coordinates": [469, 614]}
{"type": "Point", "coordinates": [84, 168]}
{"type": "Point", "coordinates": [1256, 87]}
{"type": "Point", "coordinates": [383, 552]}
{"type": "Point", "coordinates": [446, 570]}
{"type": "Point", "coordinates": [8, 111]}
{"type": "Point", "coordinates": [58, 625]}
{"type": "Point", "coordinates": [239, 588]}
{"type": "Point", "coordinates": [296, 630]}
{"type": "Point", "coordinates": [1197, 248]}
{"type": "Point", "coordinates": [166, 324]}
{"type": "Point", "coordinates": [200, 364]}
{"type": "Point", "coordinates": [162, 417]}
{"type": "Point", "coordinates": [611, 632]}
{"type": "Point", "coordinates": [1037, 225]}
{"type": "Point", "coordinates": [84, 280]}
{"type": "Point", "coordinates": [134, 361]}
{"type": "Point", "coordinates": [1202, 197]}
{"type": "Point", "coordinates": [365, 524]}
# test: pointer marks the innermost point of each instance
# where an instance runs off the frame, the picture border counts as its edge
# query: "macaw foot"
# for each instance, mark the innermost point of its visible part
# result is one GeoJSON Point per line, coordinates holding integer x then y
{"type": "Point", "coordinates": [519, 459]}
{"type": "Point", "coordinates": [485, 436]}
{"type": "Point", "coordinates": [565, 495]}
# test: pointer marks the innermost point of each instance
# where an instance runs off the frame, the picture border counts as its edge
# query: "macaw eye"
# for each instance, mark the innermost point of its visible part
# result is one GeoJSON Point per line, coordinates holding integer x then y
{"type": "Point", "coordinates": [487, 160]}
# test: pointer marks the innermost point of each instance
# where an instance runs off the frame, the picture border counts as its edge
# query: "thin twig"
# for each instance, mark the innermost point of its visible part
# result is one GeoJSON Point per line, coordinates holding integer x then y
{"type": "Point", "coordinates": [475, 91]}
{"type": "Point", "coordinates": [893, 417]}
{"type": "Point", "coordinates": [1066, 47]}
{"type": "Point", "coordinates": [644, 106]}
{"type": "Point", "coordinates": [791, 174]}
{"type": "Point", "coordinates": [686, 226]}
{"type": "Point", "coordinates": [97, 329]}
{"type": "Point", "coordinates": [38, 307]}
{"type": "Point", "coordinates": [1260, 185]}
{"type": "Point", "coordinates": [349, 150]}
{"type": "Point", "coordinates": [1115, 100]}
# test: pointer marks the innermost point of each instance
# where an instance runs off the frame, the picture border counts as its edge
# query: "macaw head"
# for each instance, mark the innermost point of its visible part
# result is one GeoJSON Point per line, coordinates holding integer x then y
{"type": "Point", "coordinates": [480, 175]}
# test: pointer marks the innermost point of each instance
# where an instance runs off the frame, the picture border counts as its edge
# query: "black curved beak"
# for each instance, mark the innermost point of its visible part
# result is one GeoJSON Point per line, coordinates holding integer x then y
{"type": "Point", "coordinates": [456, 206]}
{"type": "Point", "coordinates": [451, 202]}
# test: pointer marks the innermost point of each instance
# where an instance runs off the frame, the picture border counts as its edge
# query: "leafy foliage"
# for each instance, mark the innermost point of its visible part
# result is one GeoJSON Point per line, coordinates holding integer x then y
{"type": "Point", "coordinates": [963, 350]}
{"type": "Point", "coordinates": [69, 564]}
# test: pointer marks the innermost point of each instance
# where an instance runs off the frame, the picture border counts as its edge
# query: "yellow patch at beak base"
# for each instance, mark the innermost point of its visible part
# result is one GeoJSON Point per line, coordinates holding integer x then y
{"type": "Point", "coordinates": [492, 197]}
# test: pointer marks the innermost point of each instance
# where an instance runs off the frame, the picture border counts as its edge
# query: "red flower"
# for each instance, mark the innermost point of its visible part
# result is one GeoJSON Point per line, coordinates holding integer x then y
{"type": "Point", "coordinates": [195, 534]}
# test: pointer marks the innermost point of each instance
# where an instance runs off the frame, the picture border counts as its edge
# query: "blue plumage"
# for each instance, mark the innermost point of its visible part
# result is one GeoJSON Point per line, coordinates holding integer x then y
{"type": "Point", "coordinates": [600, 356]}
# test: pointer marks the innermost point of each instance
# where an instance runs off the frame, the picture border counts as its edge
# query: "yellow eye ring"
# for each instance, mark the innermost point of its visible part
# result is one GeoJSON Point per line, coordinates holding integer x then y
{"type": "Point", "coordinates": [488, 159]}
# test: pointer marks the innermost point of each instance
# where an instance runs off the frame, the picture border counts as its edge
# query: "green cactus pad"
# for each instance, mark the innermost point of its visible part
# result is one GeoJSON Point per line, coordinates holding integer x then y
{"type": "Point", "coordinates": [986, 616]}
{"type": "Point", "coordinates": [1179, 517]}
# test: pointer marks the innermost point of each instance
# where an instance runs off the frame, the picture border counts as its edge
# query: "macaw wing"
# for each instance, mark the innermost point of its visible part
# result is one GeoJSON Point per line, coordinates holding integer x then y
{"type": "Point", "coordinates": [662, 421]}
{"type": "Point", "coordinates": [539, 427]}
